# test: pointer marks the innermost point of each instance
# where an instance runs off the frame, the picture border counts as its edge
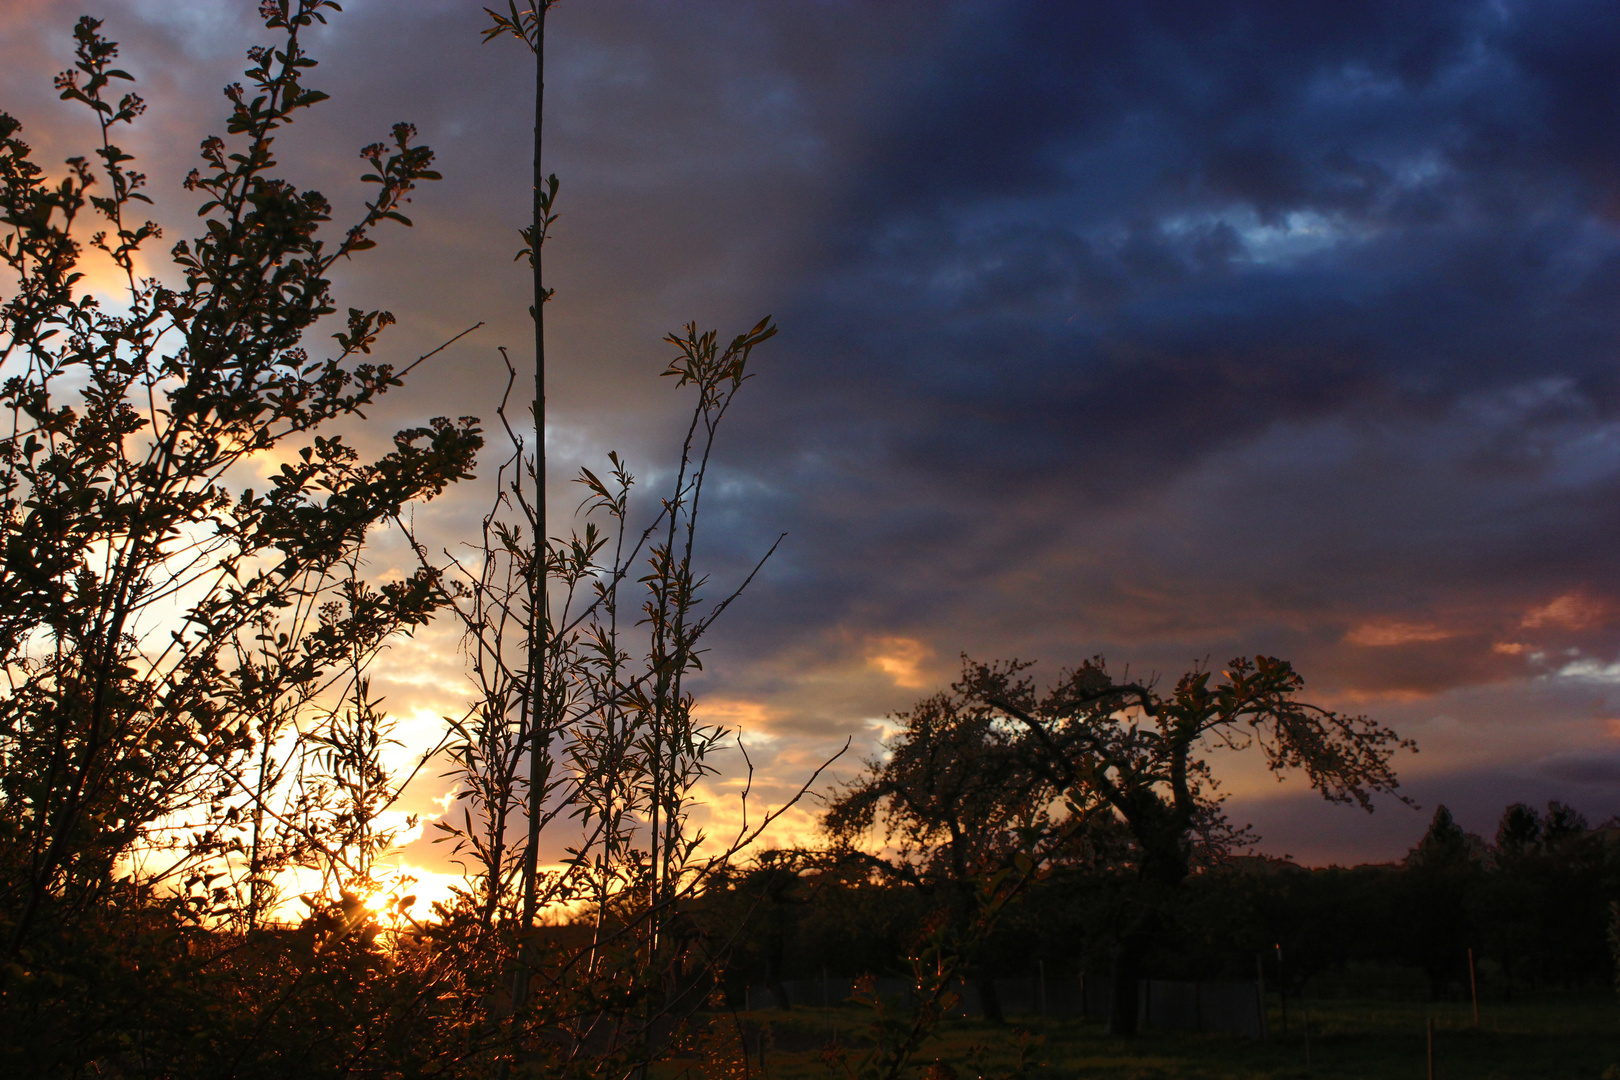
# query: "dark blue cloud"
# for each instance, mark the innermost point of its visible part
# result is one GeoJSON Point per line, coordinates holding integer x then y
{"type": "Point", "coordinates": [1094, 256]}
{"type": "Point", "coordinates": [1229, 214]}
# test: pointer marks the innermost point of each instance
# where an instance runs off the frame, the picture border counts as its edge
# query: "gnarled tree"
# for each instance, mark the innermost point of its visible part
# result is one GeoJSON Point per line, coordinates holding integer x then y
{"type": "Point", "coordinates": [1125, 748]}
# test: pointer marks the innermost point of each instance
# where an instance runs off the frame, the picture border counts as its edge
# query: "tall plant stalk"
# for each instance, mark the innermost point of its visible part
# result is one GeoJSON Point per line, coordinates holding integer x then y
{"type": "Point", "coordinates": [537, 636]}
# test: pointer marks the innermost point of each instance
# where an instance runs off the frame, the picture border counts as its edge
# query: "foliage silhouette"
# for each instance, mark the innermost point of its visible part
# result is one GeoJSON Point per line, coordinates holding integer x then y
{"type": "Point", "coordinates": [189, 715]}
{"type": "Point", "coordinates": [176, 642]}
{"type": "Point", "coordinates": [980, 771]}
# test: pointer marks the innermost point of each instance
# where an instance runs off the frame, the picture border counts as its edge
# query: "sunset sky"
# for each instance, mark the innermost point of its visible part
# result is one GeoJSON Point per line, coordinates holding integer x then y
{"type": "Point", "coordinates": [1161, 331]}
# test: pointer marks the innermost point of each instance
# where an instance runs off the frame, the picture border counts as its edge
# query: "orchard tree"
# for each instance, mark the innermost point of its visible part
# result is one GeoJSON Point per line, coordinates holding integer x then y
{"type": "Point", "coordinates": [1130, 751]}
{"type": "Point", "coordinates": [957, 800]}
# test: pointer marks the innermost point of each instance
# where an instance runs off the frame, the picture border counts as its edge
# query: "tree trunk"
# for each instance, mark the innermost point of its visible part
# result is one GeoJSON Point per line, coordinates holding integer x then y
{"type": "Point", "coordinates": [775, 952]}
{"type": "Point", "coordinates": [773, 979]}
{"type": "Point", "coordinates": [1164, 868]}
{"type": "Point", "coordinates": [779, 993]}
{"type": "Point", "coordinates": [989, 1000]}
{"type": "Point", "coordinates": [1123, 1009]}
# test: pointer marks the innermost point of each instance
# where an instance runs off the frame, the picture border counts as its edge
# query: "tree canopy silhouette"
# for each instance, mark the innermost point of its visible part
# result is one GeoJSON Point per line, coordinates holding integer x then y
{"type": "Point", "coordinates": [981, 772]}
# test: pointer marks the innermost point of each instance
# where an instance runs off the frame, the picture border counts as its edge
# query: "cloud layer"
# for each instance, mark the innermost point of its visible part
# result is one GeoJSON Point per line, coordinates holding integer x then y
{"type": "Point", "coordinates": [1158, 330]}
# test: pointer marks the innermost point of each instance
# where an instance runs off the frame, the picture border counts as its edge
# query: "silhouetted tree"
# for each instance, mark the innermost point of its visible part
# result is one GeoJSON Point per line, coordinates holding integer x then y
{"type": "Point", "coordinates": [179, 642]}
{"type": "Point", "coordinates": [1519, 831]}
{"type": "Point", "coordinates": [955, 795]}
{"type": "Point", "coordinates": [1127, 750]}
{"type": "Point", "coordinates": [1443, 869]}
{"type": "Point", "coordinates": [1541, 910]}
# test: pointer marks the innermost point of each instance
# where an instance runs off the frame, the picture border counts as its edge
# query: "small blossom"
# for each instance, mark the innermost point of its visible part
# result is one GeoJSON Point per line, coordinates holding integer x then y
{"type": "Point", "coordinates": [67, 79]}
{"type": "Point", "coordinates": [258, 53]}
{"type": "Point", "coordinates": [193, 178]}
{"type": "Point", "coordinates": [269, 9]}
{"type": "Point", "coordinates": [373, 150]}
{"type": "Point", "coordinates": [404, 133]}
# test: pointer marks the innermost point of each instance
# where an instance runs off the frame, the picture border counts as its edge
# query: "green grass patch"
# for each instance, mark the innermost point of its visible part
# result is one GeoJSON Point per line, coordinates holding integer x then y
{"type": "Point", "coordinates": [1566, 1038]}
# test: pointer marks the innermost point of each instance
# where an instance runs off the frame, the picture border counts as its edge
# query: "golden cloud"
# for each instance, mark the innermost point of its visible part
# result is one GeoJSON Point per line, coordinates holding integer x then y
{"type": "Point", "coordinates": [901, 659]}
{"type": "Point", "coordinates": [1383, 634]}
{"type": "Point", "coordinates": [734, 713]}
{"type": "Point", "coordinates": [1572, 611]}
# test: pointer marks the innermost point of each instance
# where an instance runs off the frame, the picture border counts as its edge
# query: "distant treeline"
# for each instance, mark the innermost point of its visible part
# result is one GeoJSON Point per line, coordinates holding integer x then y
{"type": "Point", "coordinates": [1534, 905]}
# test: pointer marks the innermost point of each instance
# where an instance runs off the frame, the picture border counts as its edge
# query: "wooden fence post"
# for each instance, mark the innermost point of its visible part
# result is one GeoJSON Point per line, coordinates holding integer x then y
{"type": "Point", "coordinates": [1473, 986]}
{"type": "Point", "coordinates": [1260, 992]}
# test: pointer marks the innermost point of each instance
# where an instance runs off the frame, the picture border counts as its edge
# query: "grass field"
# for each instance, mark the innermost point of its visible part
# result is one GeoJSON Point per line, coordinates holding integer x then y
{"type": "Point", "coordinates": [1573, 1038]}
